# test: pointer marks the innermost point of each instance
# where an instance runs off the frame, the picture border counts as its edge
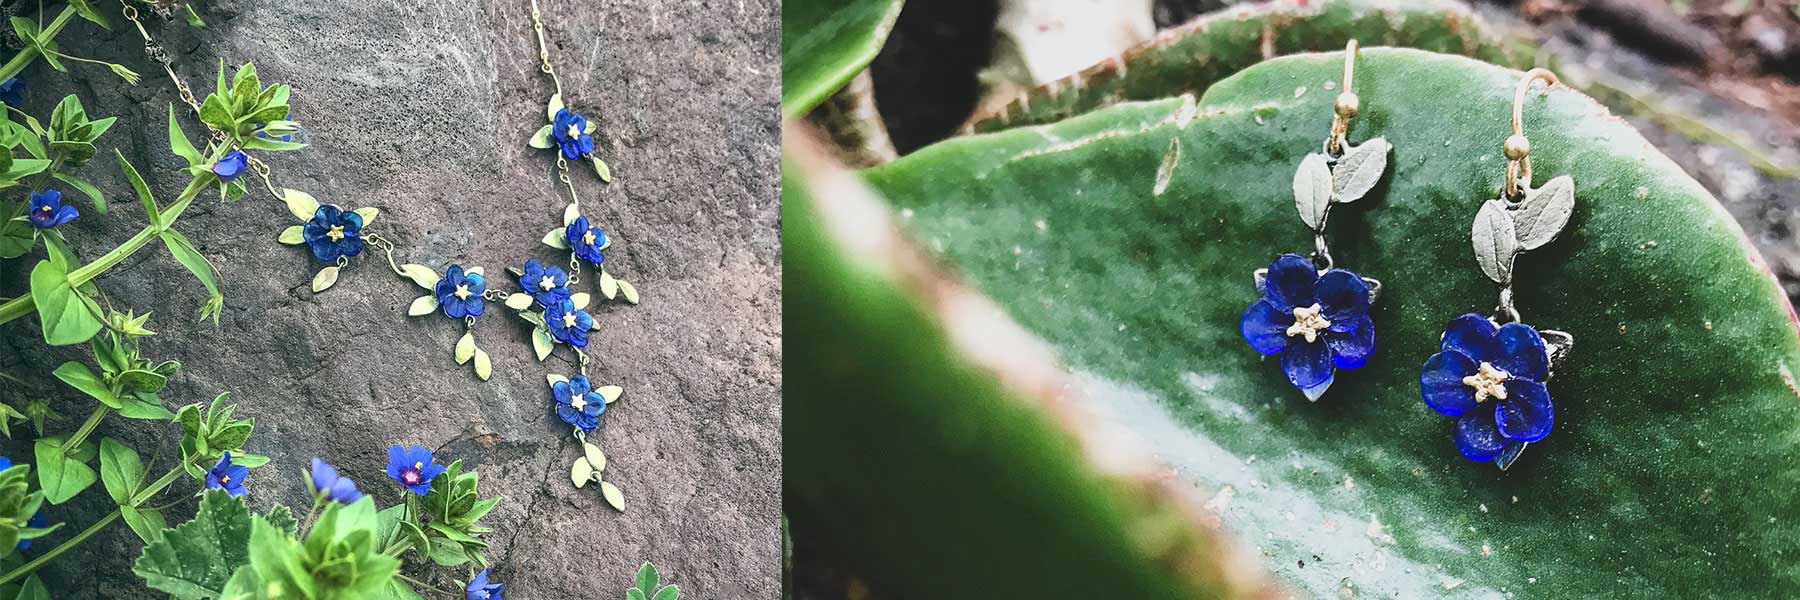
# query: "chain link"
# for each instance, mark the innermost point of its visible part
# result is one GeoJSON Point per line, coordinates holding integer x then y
{"type": "Point", "coordinates": [157, 53]}
{"type": "Point", "coordinates": [387, 247]}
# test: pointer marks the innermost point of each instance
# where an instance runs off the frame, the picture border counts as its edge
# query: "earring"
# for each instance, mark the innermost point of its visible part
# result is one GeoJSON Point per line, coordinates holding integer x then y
{"type": "Point", "coordinates": [1500, 358]}
{"type": "Point", "coordinates": [1314, 315]}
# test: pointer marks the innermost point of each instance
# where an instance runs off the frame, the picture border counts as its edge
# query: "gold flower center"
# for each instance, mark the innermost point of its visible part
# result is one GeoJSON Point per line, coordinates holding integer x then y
{"type": "Point", "coordinates": [568, 319]}
{"type": "Point", "coordinates": [574, 132]}
{"type": "Point", "coordinates": [1308, 322]}
{"type": "Point", "coordinates": [462, 292]}
{"type": "Point", "coordinates": [548, 283]}
{"type": "Point", "coordinates": [46, 208]}
{"type": "Point", "coordinates": [336, 233]}
{"type": "Point", "coordinates": [588, 238]}
{"type": "Point", "coordinates": [1489, 382]}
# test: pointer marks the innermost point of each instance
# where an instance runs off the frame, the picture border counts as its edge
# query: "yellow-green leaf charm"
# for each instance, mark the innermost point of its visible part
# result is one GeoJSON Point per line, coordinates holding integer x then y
{"type": "Point", "coordinates": [368, 214]}
{"type": "Point", "coordinates": [581, 299]}
{"type": "Point", "coordinates": [484, 367]}
{"type": "Point", "coordinates": [542, 343]}
{"type": "Point", "coordinates": [423, 305]}
{"type": "Point", "coordinates": [300, 204]}
{"type": "Point", "coordinates": [465, 348]}
{"type": "Point", "coordinates": [630, 291]}
{"type": "Point", "coordinates": [609, 287]}
{"type": "Point", "coordinates": [581, 472]}
{"type": "Point", "coordinates": [594, 456]}
{"type": "Point", "coordinates": [421, 274]}
{"type": "Point", "coordinates": [293, 236]}
{"type": "Point", "coordinates": [554, 239]}
{"type": "Point", "coordinates": [519, 301]}
{"type": "Point", "coordinates": [613, 496]}
{"type": "Point", "coordinates": [326, 277]}
{"type": "Point", "coordinates": [610, 392]}
{"type": "Point", "coordinates": [571, 213]}
{"type": "Point", "coordinates": [541, 139]}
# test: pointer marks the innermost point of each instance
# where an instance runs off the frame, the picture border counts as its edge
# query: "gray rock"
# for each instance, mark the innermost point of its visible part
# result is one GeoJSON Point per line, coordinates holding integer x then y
{"type": "Point", "coordinates": [422, 108]}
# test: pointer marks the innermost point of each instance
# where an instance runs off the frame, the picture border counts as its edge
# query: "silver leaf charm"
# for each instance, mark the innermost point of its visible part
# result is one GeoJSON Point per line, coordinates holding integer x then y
{"type": "Point", "coordinates": [1359, 169]}
{"type": "Point", "coordinates": [1496, 241]}
{"type": "Point", "coordinates": [1544, 212]}
{"type": "Point", "coordinates": [1312, 190]}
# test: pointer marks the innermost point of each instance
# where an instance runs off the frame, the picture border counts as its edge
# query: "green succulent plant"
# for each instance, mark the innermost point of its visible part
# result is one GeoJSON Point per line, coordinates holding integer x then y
{"type": "Point", "coordinates": [341, 558]}
{"type": "Point", "coordinates": [455, 508]}
{"type": "Point", "coordinates": [1125, 240]}
{"type": "Point", "coordinates": [826, 42]}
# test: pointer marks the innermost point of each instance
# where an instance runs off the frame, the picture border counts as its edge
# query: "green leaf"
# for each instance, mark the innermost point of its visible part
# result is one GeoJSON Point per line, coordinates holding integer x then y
{"type": "Point", "coordinates": [672, 592]}
{"type": "Point", "coordinates": [197, 558]}
{"type": "Point", "coordinates": [555, 239]}
{"type": "Point", "coordinates": [293, 235]}
{"type": "Point", "coordinates": [630, 291]}
{"type": "Point", "coordinates": [16, 239]}
{"type": "Point", "coordinates": [826, 42]}
{"type": "Point", "coordinates": [144, 406]}
{"type": "Point", "coordinates": [647, 577]}
{"type": "Point", "coordinates": [635, 594]}
{"type": "Point", "coordinates": [147, 523]}
{"type": "Point", "coordinates": [121, 470]}
{"type": "Point", "coordinates": [283, 518]}
{"type": "Point", "coordinates": [82, 378]}
{"type": "Point", "coordinates": [541, 139]}
{"type": "Point", "coordinates": [66, 315]}
{"type": "Point", "coordinates": [153, 213]}
{"type": "Point", "coordinates": [60, 474]}
{"type": "Point", "coordinates": [465, 348]}
{"type": "Point", "coordinates": [325, 279]}
{"type": "Point", "coordinates": [613, 496]}
{"type": "Point", "coordinates": [178, 142]}
{"type": "Point", "coordinates": [422, 305]}
{"type": "Point", "coordinates": [33, 589]}
{"type": "Point", "coordinates": [86, 10]}
{"type": "Point", "coordinates": [541, 342]}
{"type": "Point", "coordinates": [196, 263]}
{"type": "Point", "coordinates": [600, 168]}
{"type": "Point", "coordinates": [87, 189]}
{"type": "Point", "coordinates": [140, 381]}
{"type": "Point", "coordinates": [422, 275]}
{"type": "Point", "coordinates": [609, 287]}
{"type": "Point", "coordinates": [1676, 382]}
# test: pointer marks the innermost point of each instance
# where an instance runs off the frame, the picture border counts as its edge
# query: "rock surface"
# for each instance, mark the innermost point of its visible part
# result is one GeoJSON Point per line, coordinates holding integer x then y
{"type": "Point", "coordinates": [422, 108]}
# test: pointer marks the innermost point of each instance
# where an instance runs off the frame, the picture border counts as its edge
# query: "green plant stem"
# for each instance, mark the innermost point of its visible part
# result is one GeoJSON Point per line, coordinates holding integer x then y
{"type": "Point", "coordinates": [30, 53]}
{"type": "Point", "coordinates": [142, 496]}
{"type": "Point", "coordinates": [23, 305]}
{"type": "Point", "coordinates": [87, 428]}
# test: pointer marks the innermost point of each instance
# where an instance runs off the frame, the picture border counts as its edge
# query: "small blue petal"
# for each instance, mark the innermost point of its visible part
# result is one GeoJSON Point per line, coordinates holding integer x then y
{"type": "Point", "coordinates": [1352, 349]}
{"type": "Point", "coordinates": [1265, 327]}
{"type": "Point", "coordinates": [1440, 382]}
{"type": "Point", "coordinates": [1290, 282]}
{"type": "Point", "coordinates": [1306, 364]}
{"type": "Point", "coordinates": [1525, 415]}
{"type": "Point", "coordinates": [1472, 335]}
{"type": "Point", "coordinates": [1344, 297]}
{"type": "Point", "coordinates": [1521, 353]}
{"type": "Point", "coordinates": [1477, 438]}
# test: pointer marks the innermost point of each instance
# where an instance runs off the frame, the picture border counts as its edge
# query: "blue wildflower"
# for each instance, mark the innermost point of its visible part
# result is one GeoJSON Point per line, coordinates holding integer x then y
{"type": "Point", "coordinates": [12, 91]}
{"type": "Point", "coordinates": [547, 283]}
{"type": "Point", "coordinates": [460, 293]}
{"type": "Point", "coordinates": [480, 589]}
{"type": "Point", "coordinates": [231, 165]}
{"type": "Point", "coordinates": [327, 481]}
{"type": "Point", "coordinates": [1481, 361]}
{"type": "Point", "coordinates": [412, 467]}
{"type": "Point", "coordinates": [585, 240]}
{"type": "Point", "coordinates": [1317, 323]}
{"type": "Point", "coordinates": [47, 210]}
{"type": "Point", "coordinates": [570, 132]}
{"type": "Point", "coordinates": [568, 324]}
{"type": "Point", "coordinates": [333, 232]}
{"type": "Point", "coordinates": [577, 403]}
{"type": "Point", "coordinates": [226, 476]}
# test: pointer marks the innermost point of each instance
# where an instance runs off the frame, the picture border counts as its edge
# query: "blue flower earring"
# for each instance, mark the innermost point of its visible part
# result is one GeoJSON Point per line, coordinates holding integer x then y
{"type": "Point", "coordinates": [1501, 359]}
{"type": "Point", "coordinates": [1312, 314]}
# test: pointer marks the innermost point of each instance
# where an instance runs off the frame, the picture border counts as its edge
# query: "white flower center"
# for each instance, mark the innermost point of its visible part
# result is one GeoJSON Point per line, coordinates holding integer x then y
{"type": "Point", "coordinates": [336, 233]}
{"type": "Point", "coordinates": [548, 283]}
{"type": "Point", "coordinates": [574, 132]}
{"type": "Point", "coordinates": [588, 238]}
{"type": "Point", "coordinates": [462, 292]}
{"type": "Point", "coordinates": [1308, 322]}
{"type": "Point", "coordinates": [568, 319]}
{"type": "Point", "coordinates": [578, 403]}
{"type": "Point", "coordinates": [1489, 382]}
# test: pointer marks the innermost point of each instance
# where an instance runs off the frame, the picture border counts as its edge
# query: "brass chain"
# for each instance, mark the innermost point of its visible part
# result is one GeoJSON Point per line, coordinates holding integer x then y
{"type": "Point", "coordinates": [387, 247]}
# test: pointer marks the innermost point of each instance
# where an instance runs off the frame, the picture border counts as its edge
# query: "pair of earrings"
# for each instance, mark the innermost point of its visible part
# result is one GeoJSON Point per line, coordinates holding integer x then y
{"type": "Point", "coordinates": [1316, 316]}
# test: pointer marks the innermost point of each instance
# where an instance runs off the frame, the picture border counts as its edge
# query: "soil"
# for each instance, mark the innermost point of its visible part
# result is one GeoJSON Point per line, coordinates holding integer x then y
{"type": "Point", "coordinates": [422, 109]}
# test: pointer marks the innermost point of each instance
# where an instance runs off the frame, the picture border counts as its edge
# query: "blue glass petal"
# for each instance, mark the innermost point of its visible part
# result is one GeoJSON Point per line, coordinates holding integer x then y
{"type": "Point", "coordinates": [1352, 349]}
{"type": "Point", "coordinates": [1440, 382]}
{"type": "Point", "coordinates": [1525, 415]}
{"type": "Point", "coordinates": [1290, 281]}
{"type": "Point", "coordinates": [1265, 327]}
{"type": "Point", "coordinates": [1472, 335]}
{"type": "Point", "coordinates": [1520, 352]}
{"type": "Point", "coordinates": [350, 246]}
{"type": "Point", "coordinates": [1345, 298]}
{"type": "Point", "coordinates": [1307, 364]}
{"type": "Point", "coordinates": [1477, 438]}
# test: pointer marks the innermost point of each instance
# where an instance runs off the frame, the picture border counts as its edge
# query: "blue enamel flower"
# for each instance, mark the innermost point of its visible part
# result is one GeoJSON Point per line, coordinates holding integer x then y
{"type": "Point", "coordinates": [333, 232]}
{"type": "Point", "coordinates": [12, 91]}
{"type": "Point", "coordinates": [586, 240]}
{"type": "Point", "coordinates": [1479, 363]}
{"type": "Point", "coordinates": [549, 284]}
{"type": "Point", "coordinates": [1317, 323]}
{"type": "Point", "coordinates": [231, 165]}
{"type": "Point", "coordinates": [480, 589]}
{"type": "Point", "coordinates": [412, 467]}
{"type": "Point", "coordinates": [460, 293]}
{"type": "Point", "coordinates": [568, 324]}
{"type": "Point", "coordinates": [326, 480]}
{"type": "Point", "coordinates": [577, 403]}
{"type": "Point", "coordinates": [226, 476]}
{"type": "Point", "coordinates": [570, 132]}
{"type": "Point", "coordinates": [47, 210]}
